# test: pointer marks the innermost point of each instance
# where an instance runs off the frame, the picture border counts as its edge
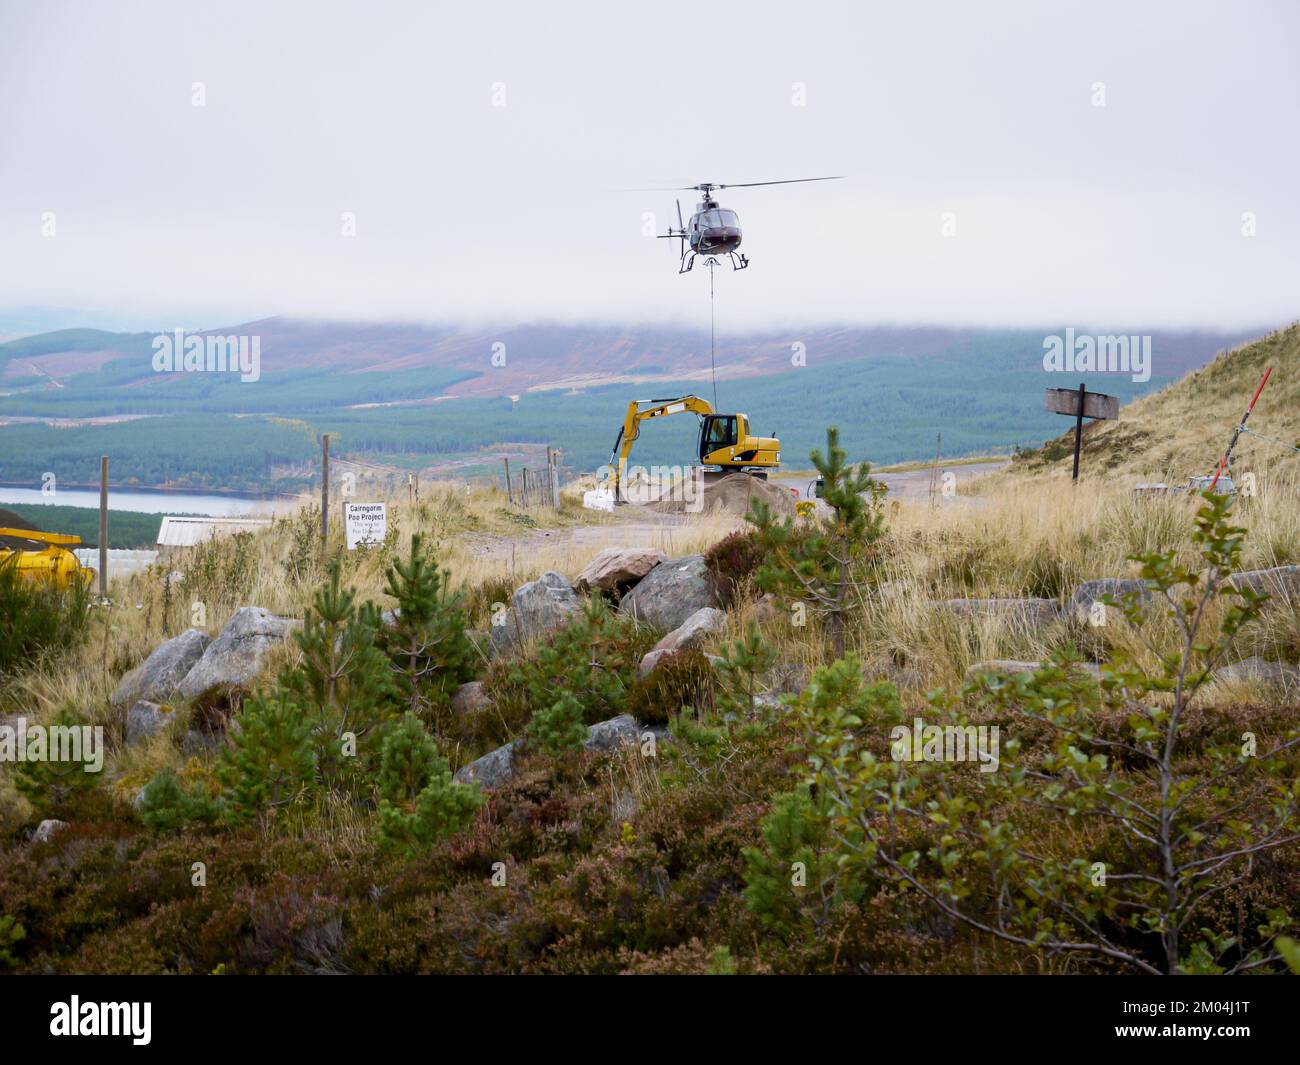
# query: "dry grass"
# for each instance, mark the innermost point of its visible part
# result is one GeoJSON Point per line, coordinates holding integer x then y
{"type": "Point", "coordinates": [1007, 536]}
{"type": "Point", "coordinates": [1183, 429]}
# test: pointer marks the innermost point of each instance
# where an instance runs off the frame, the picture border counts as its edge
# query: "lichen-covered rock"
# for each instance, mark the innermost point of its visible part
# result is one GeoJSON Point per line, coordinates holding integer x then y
{"type": "Point", "coordinates": [144, 720]}
{"type": "Point", "coordinates": [158, 676]}
{"type": "Point", "coordinates": [469, 699]}
{"type": "Point", "coordinates": [492, 770]}
{"type": "Point", "coordinates": [1088, 593]}
{"type": "Point", "coordinates": [1259, 671]}
{"type": "Point", "coordinates": [46, 829]}
{"type": "Point", "coordinates": [694, 631]}
{"type": "Point", "coordinates": [608, 735]}
{"type": "Point", "coordinates": [503, 636]}
{"type": "Point", "coordinates": [1281, 582]}
{"type": "Point", "coordinates": [536, 608]}
{"type": "Point", "coordinates": [1014, 666]}
{"type": "Point", "coordinates": [235, 658]}
{"type": "Point", "coordinates": [670, 593]}
{"type": "Point", "coordinates": [1032, 613]}
{"type": "Point", "coordinates": [615, 569]}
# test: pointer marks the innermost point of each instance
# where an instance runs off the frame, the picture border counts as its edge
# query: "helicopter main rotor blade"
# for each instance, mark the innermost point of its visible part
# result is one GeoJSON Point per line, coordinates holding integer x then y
{"type": "Point", "coordinates": [789, 181]}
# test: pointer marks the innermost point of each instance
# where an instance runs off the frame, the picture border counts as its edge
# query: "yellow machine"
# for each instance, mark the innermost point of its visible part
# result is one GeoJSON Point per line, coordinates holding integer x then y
{"type": "Point", "coordinates": [52, 562]}
{"type": "Point", "coordinates": [725, 441]}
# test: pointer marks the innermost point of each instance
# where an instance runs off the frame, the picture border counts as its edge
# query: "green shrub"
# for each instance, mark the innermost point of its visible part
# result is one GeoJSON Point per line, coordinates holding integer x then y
{"type": "Point", "coordinates": [271, 758]}
{"type": "Point", "coordinates": [11, 934]}
{"type": "Point", "coordinates": [36, 617]}
{"type": "Point", "coordinates": [1167, 812]}
{"type": "Point", "coordinates": [419, 803]}
{"type": "Point", "coordinates": [558, 728]}
{"type": "Point", "coordinates": [343, 683]}
{"type": "Point", "coordinates": [741, 665]}
{"type": "Point", "coordinates": [50, 782]}
{"type": "Point", "coordinates": [793, 882]}
{"type": "Point", "coordinates": [426, 643]}
{"type": "Point", "coordinates": [593, 659]}
{"type": "Point", "coordinates": [169, 806]}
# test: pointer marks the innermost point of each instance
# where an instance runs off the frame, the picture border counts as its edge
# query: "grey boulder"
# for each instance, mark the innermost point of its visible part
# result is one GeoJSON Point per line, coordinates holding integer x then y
{"type": "Point", "coordinates": [1090, 592]}
{"type": "Point", "coordinates": [1281, 582]}
{"type": "Point", "coordinates": [46, 829]}
{"type": "Point", "coordinates": [1031, 613]}
{"type": "Point", "coordinates": [145, 720]}
{"type": "Point", "coordinates": [1259, 671]}
{"type": "Point", "coordinates": [235, 658]}
{"type": "Point", "coordinates": [670, 593]}
{"type": "Point", "coordinates": [158, 676]}
{"type": "Point", "coordinates": [490, 771]}
{"type": "Point", "coordinates": [536, 608]}
{"type": "Point", "coordinates": [611, 734]}
{"type": "Point", "coordinates": [694, 631]}
{"type": "Point", "coordinates": [469, 699]}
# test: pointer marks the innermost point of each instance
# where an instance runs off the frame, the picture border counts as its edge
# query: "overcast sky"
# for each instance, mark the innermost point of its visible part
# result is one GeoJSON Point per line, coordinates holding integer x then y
{"type": "Point", "coordinates": [1064, 211]}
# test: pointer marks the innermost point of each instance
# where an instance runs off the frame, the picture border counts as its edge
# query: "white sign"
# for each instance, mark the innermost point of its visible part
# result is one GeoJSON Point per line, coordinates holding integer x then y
{"type": "Point", "coordinates": [364, 524]}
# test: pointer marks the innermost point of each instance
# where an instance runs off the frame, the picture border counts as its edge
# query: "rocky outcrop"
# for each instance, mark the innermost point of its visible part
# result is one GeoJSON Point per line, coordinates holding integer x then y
{"type": "Point", "coordinates": [670, 593]}
{"type": "Point", "coordinates": [1086, 594]}
{"type": "Point", "coordinates": [158, 676]}
{"type": "Point", "coordinates": [615, 569]}
{"type": "Point", "coordinates": [145, 720]}
{"type": "Point", "coordinates": [694, 631]}
{"type": "Point", "coordinates": [235, 658]}
{"type": "Point", "coordinates": [1032, 613]}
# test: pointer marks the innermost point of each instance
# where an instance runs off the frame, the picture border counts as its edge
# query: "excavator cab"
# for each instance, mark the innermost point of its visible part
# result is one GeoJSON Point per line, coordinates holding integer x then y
{"type": "Point", "coordinates": [716, 431]}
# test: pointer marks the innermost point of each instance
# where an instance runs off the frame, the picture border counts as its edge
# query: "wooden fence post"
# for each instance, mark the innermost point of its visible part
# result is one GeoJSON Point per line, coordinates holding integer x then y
{"type": "Point", "coordinates": [103, 527]}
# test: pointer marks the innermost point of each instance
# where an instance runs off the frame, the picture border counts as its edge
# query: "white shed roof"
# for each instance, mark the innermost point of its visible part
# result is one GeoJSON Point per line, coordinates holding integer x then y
{"type": "Point", "coordinates": [186, 532]}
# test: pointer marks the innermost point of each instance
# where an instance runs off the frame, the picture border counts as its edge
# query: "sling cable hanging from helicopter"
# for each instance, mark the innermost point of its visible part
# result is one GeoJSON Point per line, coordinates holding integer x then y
{"type": "Point", "coordinates": [713, 367]}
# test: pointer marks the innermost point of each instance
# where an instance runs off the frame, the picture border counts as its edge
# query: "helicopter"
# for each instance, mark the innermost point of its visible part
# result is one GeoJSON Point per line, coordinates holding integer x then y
{"type": "Point", "coordinates": [714, 230]}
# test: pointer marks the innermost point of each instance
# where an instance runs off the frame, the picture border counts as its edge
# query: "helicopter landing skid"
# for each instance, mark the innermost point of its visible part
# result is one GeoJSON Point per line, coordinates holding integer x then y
{"type": "Point", "coordinates": [738, 261]}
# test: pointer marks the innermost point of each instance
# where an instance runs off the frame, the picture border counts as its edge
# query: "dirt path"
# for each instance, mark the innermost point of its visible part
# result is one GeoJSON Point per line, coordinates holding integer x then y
{"type": "Point", "coordinates": [643, 527]}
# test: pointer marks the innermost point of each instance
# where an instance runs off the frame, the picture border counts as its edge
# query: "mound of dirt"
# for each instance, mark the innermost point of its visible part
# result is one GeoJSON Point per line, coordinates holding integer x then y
{"type": "Point", "coordinates": [731, 495]}
{"type": "Point", "coordinates": [10, 520]}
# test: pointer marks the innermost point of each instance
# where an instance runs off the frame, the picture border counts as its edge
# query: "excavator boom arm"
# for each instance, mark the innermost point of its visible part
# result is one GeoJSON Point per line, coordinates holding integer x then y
{"type": "Point", "coordinates": [632, 427]}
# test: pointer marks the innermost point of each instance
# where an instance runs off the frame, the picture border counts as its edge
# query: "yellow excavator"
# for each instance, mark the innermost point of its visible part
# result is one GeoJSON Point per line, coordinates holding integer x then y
{"type": "Point", "coordinates": [724, 442]}
{"type": "Point", "coordinates": [53, 562]}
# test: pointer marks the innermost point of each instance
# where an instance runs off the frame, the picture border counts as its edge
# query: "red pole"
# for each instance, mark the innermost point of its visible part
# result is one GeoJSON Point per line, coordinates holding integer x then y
{"type": "Point", "coordinates": [1223, 462]}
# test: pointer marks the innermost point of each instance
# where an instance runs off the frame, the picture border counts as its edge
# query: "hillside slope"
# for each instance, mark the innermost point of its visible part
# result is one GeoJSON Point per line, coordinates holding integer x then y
{"type": "Point", "coordinates": [1183, 429]}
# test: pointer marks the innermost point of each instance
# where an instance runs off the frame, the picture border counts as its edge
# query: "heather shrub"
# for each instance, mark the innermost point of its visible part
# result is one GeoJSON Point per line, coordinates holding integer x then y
{"type": "Point", "coordinates": [733, 560]}
{"type": "Point", "coordinates": [682, 679]}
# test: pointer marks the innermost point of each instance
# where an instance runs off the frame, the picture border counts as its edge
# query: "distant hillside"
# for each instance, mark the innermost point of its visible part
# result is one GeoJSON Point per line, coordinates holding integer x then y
{"type": "Point", "coordinates": [430, 399]}
{"type": "Point", "coordinates": [1184, 428]}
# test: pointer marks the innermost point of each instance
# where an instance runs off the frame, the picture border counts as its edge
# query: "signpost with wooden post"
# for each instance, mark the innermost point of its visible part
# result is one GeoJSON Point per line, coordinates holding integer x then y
{"type": "Point", "coordinates": [1079, 404]}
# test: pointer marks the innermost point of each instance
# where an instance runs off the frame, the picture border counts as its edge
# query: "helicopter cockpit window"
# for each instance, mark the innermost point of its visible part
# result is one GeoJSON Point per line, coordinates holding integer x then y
{"type": "Point", "coordinates": [717, 219]}
{"type": "Point", "coordinates": [728, 219]}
